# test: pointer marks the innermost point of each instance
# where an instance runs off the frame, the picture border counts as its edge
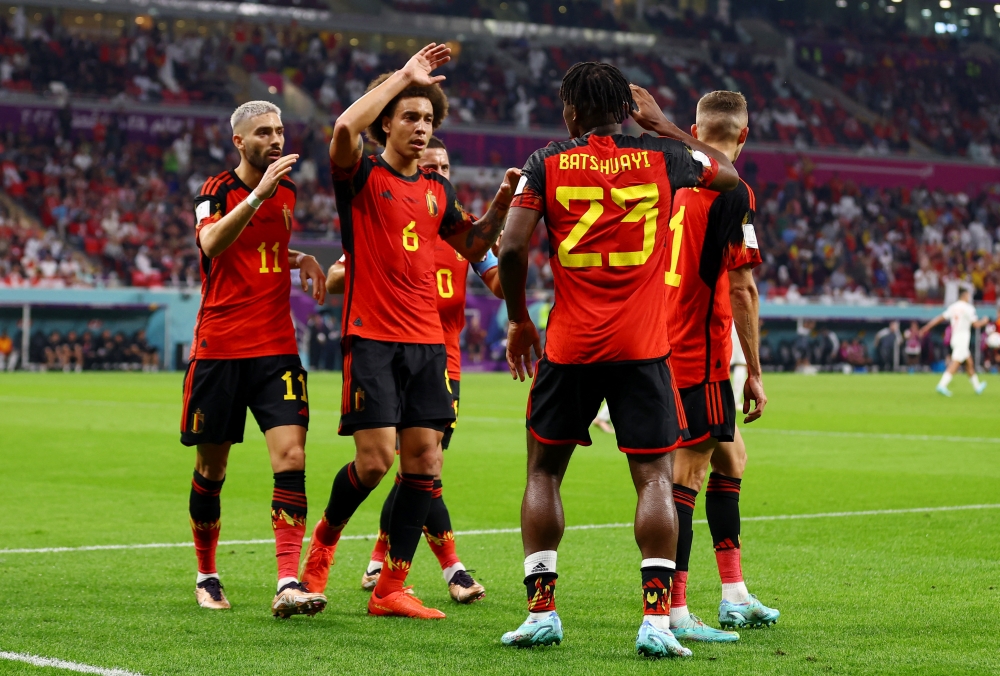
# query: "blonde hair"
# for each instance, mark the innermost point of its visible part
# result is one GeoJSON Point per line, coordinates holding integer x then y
{"type": "Point", "coordinates": [252, 109]}
{"type": "Point", "coordinates": [721, 116]}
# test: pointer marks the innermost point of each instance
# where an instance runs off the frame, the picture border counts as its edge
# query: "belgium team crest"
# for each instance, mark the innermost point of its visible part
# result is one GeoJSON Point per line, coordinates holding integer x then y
{"type": "Point", "coordinates": [432, 203]}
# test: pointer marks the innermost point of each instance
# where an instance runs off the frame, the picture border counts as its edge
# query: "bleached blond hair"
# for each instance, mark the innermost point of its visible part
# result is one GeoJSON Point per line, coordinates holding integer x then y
{"type": "Point", "coordinates": [252, 109]}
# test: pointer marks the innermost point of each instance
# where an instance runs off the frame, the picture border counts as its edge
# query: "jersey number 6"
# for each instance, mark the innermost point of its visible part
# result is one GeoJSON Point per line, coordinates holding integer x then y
{"type": "Point", "coordinates": [647, 195]}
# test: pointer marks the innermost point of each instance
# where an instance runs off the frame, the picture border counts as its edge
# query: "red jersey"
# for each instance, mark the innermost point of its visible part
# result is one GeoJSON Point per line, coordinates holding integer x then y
{"type": "Point", "coordinates": [390, 225]}
{"type": "Point", "coordinates": [245, 307]}
{"type": "Point", "coordinates": [712, 233]}
{"type": "Point", "coordinates": [605, 200]}
{"type": "Point", "coordinates": [452, 273]}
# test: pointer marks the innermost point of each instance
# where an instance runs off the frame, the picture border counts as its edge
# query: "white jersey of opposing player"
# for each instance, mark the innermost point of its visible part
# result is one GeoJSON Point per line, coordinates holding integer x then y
{"type": "Point", "coordinates": [738, 358]}
{"type": "Point", "coordinates": [962, 316]}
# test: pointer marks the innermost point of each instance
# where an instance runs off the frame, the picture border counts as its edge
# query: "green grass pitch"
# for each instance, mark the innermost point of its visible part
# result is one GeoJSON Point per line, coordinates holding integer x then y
{"type": "Point", "coordinates": [94, 459]}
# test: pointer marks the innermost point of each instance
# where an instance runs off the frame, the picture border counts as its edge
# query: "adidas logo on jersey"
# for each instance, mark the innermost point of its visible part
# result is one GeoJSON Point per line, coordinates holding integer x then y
{"type": "Point", "coordinates": [357, 322]}
{"type": "Point", "coordinates": [386, 194]}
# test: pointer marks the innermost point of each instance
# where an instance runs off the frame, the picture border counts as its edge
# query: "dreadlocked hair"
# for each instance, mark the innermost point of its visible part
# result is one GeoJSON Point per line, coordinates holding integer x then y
{"type": "Point", "coordinates": [598, 91]}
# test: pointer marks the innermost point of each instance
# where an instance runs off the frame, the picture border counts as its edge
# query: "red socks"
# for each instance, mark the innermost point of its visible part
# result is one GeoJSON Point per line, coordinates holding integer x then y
{"type": "Point", "coordinates": [288, 520]}
{"type": "Point", "coordinates": [204, 509]}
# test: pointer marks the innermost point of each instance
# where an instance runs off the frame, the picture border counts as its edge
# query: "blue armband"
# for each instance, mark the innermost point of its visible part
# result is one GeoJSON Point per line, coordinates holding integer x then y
{"type": "Point", "coordinates": [486, 264]}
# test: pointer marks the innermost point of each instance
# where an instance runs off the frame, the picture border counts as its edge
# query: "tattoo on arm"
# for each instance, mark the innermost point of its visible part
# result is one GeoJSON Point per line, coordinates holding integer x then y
{"type": "Point", "coordinates": [487, 228]}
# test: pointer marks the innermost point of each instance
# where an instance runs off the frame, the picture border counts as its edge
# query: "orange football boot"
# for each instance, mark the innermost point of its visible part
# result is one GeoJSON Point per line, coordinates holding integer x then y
{"type": "Point", "coordinates": [316, 569]}
{"type": "Point", "coordinates": [402, 603]}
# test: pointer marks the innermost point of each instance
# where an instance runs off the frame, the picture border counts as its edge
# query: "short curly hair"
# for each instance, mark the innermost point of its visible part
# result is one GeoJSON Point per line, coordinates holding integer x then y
{"type": "Point", "coordinates": [433, 93]}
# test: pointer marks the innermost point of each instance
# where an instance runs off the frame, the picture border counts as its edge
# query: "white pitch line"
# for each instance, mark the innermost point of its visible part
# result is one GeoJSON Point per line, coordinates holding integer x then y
{"type": "Point", "coordinates": [505, 531]}
{"type": "Point", "coordinates": [874, 435]}
{"type": "Point", "coordinates": [37, 661]}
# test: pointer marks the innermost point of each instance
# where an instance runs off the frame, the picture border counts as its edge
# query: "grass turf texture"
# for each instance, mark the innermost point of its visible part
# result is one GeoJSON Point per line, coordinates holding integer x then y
{"type": "Point", "coordinates": [94, 459]}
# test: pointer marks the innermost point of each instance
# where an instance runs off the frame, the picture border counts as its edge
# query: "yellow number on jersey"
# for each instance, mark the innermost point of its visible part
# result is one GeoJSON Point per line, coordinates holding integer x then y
{"type": "Point", "coordinates": [564, 195]}
{"type": "Point", "coordinates": [411, 242]}
{"type": "Point", "coordinates": [445, 287]}
{"type": "Point", "coordinates": [263, 257]}
{"type": "Point", "coordinates": [645, 210]}
{"type": "Point", "coordinates": [677, 227]}
{"type": "Point", "coordinates": [647, 195]}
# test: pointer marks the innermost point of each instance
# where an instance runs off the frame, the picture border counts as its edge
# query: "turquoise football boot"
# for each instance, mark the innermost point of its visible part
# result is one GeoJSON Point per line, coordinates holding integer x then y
{"type": "Point", "coordinates": [942, 390]}
{"type": "Point", "coordinates": [753, 613]}
{"type": "Point", "coordinates": [982, 386]}
{"type": "Point", "coordinates": [545, 631]}
{"type": "Point", "coordinates": [655, 643]}
{"type": "Point", "coordinates": [691, 628]}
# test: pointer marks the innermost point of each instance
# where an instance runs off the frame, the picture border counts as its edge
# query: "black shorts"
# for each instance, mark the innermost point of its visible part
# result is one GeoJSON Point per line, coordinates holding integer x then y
{"type": "Point", "coordinates": [217, 393]}
{"type": "Point", "coordinates": [711, 411]}
{"type": "Point", "coordinates": [450, 430]}
{"type": "Point", "coordinates": [397, 385]}
{"type": "Point", "coordinates": [644, 404]}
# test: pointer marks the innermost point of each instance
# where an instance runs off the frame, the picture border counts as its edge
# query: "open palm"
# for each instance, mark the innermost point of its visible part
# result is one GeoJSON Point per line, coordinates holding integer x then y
{"type": "Point", "coordinates": [420, 65]}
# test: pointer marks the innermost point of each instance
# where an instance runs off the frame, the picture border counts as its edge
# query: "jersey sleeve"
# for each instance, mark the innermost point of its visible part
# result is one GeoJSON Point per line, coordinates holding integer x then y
{"type": "Point", "coordinates": [687, 168]}
{"type": "Point", "coordinates": [739, 239]}
{"type": "Point", "coordinates": [455, 218]}
{"type": "Point", "coordinates": [487, 264]}
{"type": "Point", "coordinates": [353, 179]}
{"type": "Point", "coordinates": [530, 191]}
{"type": "Point", "coordinates": [210, 204]}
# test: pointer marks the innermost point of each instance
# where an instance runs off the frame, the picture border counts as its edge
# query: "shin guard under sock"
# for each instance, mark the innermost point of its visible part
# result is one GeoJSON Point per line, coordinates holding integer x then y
{"type": "Point", "coordinates": [722, 507]}
{"type": "Point", "coordinates": [382, 541]}
{"type": "Point", "coordinates": [437, 530]}
{"type": "Point", "coordinates": [346, 496]}
{"type": "Point", "coordinates": [409, 513]}
{"type": "Point", "coordinates": [204, 509]}
{"type": "Point", "coordinates": [288, 520]}
{"type": "Point", "coordinates": [684, 500]}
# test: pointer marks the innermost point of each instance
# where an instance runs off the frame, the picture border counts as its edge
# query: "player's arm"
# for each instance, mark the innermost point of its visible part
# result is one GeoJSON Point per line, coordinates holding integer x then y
{"type": "Point", "coordinates": [214, 237]}
{"type": "Point", "coordinates": [474, 242]}
{"type": "Point", "coordinates": [651, 118]}
{"type": "Point", "coordinates": [745, 302]}
{"type": "Point", "coordinates": [335, 277]}
{"type": "Point", "coordinates": [931, 324]}
{"type": "Point", "coordinates": [346, 146]}
{"type": "Point", "coordinates": [487, 269]}
{"type": "Point", "coordinates": [981, 323]}
{"type": "Point", "coordinates": [522, 336]}
{"type": "Point", "coordinates": [309, 270]}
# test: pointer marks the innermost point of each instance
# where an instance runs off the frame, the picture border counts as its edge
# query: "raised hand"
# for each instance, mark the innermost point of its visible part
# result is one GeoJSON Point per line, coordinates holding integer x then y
{"type": "Point", "coordinates": [647, 113]}
{"type": "Point", "coordinates": [506, 192]}
{"type": "Point", "coordinates": [276, 171]}
{"type": "Point", "coordinates": [522, 338]}
{"type": "Point", "coordinates": [418, 69]}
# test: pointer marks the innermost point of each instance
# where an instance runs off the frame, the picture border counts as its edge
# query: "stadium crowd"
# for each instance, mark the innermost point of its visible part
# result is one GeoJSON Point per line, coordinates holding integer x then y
{"type": "Point", "coordinates": [925, 87]}
{"type": "Point", "coordinates": [841, 241]}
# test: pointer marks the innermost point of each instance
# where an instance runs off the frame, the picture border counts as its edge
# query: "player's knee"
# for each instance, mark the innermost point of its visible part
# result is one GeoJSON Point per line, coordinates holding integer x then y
{"type": "Point", "coordinates": [290, 459]}
{"type": "Point", "coordinates": [423, 459]}
{"type": "Point", "coordinates": [374, 462]}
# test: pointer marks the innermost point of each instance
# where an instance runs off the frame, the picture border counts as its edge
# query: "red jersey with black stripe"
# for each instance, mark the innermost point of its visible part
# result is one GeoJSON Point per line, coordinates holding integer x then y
{"type": "Point", "coordinates": [391, 225]}
{"type": "Point", "coordinates": [245, 291]}
{"type": "Point", "coordinates": [606, 202]}
{"type": "Point", "coordinates": [711, 234]}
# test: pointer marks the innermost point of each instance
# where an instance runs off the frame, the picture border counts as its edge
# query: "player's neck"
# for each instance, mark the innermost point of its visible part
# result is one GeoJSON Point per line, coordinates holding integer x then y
{"type": "Point", "coordinates": [402, 165]}
{"type": "Point", "coordinates": [605, 130]}
{"type": "Point", "coordinates": [730, 150]}
{"type": "Point", "coordinates": [249, 174]}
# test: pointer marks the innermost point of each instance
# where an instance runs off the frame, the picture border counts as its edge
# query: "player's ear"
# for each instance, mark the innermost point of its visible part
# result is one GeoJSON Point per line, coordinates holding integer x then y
{"type": "Point", "coordinates": [743, 135]}
{"type": "Point", "coordinates": [694, 130]}
{"type": "Point", "coordinates": [386, 123]}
